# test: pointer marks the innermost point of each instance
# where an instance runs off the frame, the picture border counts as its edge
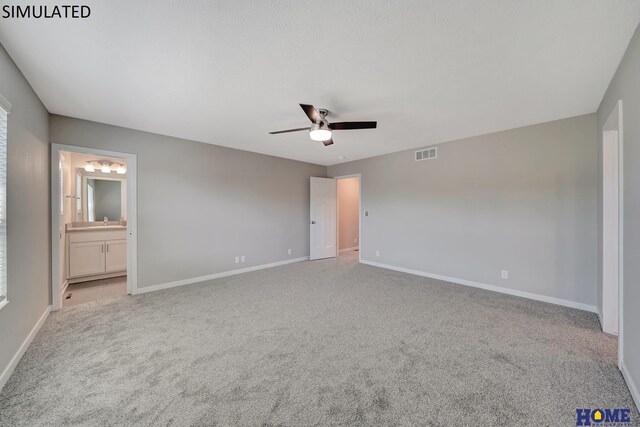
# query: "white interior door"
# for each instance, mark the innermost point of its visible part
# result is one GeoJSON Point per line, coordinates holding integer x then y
{"type": "Point", "coordinates": [610, 232]}
{"type": "Point", "coordinates": [323, 218]}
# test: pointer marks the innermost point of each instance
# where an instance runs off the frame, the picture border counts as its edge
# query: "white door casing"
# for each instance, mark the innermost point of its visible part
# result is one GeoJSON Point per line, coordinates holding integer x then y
{"type": "Point", "coordinates": [322, 224]}
{"type": "Point", "coordinates": [611, 314]}
{"type": "Point", "coordinates": [610, 231]}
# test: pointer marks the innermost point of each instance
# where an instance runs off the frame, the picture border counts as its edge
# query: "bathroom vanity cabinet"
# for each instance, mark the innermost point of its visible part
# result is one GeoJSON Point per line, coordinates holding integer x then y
{"type": "Point", "coordinates": [96, 253]}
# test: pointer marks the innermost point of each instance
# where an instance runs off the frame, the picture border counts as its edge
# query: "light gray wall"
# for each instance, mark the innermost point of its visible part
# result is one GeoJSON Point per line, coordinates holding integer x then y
{"type": "Point", "coordinates": [107, 199]}
{"type": "Point", "coordinates": [522, 200]}
{"type": "Point", "coordinates": [626, 86]}
{"type": "Point", "coordinates": [28, 241]}
{"type": "Point", "coordinates": [201, 205]}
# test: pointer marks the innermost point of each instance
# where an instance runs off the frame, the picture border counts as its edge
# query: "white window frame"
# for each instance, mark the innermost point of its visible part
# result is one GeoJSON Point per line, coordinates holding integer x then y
{"type": "Point", "coordinates": [5, 108]}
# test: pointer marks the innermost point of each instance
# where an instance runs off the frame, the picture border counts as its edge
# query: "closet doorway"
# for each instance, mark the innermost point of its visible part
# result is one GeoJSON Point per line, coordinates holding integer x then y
{"type": "Point", "coordinates": [348, 213]}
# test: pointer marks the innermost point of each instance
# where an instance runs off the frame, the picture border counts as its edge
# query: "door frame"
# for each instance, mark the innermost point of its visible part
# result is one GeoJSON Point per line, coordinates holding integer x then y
{"type": "Point", "coordinates": [132, 218]}
{"type": "Point", "coordinates": [614, 122]}
{"type": "Point", "coordinates": [359, 175]}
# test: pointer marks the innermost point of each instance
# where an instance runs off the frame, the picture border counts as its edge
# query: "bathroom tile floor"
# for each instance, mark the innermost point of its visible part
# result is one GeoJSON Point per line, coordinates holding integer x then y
{"type": "Point", "coordinates": [95, 291]}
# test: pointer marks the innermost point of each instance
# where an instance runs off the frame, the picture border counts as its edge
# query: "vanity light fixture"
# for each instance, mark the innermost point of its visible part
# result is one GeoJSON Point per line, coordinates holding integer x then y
{"type": "Point", "coordinates": [105, 166]}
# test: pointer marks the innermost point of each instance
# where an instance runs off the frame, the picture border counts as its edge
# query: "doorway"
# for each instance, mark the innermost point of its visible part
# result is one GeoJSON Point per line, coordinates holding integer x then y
{"type": "Point", "coordinates": [611, 316]}
{"type": "Point", "coordinates": [326, 212]}
{"type": "Point", "coordinates": [94, 225]}
{"type": "Point", "coordinates": [348, 207]}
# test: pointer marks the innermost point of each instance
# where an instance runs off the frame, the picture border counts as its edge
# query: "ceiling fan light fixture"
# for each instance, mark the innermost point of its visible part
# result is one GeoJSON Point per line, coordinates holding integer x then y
{"type": "Point", "coordinates": [321, 130]}
{"type": "Point", "coordinates": [319, 133]}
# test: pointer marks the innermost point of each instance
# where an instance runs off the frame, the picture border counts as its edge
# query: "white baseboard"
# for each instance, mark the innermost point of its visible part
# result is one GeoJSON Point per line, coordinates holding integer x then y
{"type": "Point", "coordinates": [84, 279]}
{"type": "Point", "coordinates": [216, 276]}
{"type": "Point", "coordinates": [514, 292]}
{"type": "Point", "coordinates": [348, 249]}
{"type": "Point", "coordinates": [599, 316]}
{"type": "Point", "coordinates": [632, 386]}
{"type": "Point", "coordinates": [23, 348]}
{"type": "Point", "coordinates": [65, 285]}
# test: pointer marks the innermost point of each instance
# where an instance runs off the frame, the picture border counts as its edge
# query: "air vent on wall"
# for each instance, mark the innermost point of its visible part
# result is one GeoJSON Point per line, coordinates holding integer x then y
{"type": "Point", "coordinates": [427, 154]}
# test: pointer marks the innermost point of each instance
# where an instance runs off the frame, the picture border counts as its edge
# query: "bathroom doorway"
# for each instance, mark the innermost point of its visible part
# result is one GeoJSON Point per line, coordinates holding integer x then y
{"type": "Point", "coordinates": [93, 197]}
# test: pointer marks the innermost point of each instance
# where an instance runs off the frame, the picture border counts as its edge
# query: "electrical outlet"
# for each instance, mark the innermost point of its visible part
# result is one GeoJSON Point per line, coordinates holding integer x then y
{"type": "Point", "coordinates": [377, 253]}
{"type": "Point", "coordinates": [237, 259]}
{"type": "Point", "coordinates": [289, 251]}
{"type": "Point", "coordinates": [504, 274]}
{"type": "Point", "coordinates": [242, 258]}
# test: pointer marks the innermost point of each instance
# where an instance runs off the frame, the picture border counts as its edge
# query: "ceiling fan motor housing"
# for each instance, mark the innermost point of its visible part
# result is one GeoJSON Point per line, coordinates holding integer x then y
{"type": "Point", "coordinates": [318, 126]}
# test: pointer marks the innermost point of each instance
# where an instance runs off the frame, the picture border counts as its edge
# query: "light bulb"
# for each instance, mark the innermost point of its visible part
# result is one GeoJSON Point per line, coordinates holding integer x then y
{"type": "Point", "coordinates": [319, 132]}
{"type": "Point", "coordinates": [121, 170]}
{"type": "Point", "coordinates": [320, 135]}
{"type": "Point", "coordinates": [89, 168]}
{"type": "Point", "coordinates": [105, 168]}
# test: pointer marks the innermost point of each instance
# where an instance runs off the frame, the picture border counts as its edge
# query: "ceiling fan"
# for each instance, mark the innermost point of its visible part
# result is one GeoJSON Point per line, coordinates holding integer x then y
{"type": "Point", "coordinates": [321, 129]}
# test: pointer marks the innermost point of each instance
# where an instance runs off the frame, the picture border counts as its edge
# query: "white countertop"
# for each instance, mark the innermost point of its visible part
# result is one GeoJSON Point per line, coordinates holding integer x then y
{"type": "Point", "coordinates": [97, 228]}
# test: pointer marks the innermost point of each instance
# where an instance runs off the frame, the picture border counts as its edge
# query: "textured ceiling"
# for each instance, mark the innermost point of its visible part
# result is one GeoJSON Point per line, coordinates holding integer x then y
{"type": "Point", "coordinates": [228, 72]}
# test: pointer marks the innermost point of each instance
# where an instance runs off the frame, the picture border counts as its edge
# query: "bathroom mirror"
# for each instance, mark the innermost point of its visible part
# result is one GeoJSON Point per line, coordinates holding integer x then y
{"type": "Point", "coordinates": [102, 196]}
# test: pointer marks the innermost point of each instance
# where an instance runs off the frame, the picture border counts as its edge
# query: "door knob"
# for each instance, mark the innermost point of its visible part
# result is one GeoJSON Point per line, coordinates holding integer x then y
{"type": "Point", "coordinates": [313, 222]}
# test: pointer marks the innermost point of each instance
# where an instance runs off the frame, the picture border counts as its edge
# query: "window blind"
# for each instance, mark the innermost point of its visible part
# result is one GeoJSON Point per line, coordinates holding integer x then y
{"type": "Point", "coordinates": [3, 205]}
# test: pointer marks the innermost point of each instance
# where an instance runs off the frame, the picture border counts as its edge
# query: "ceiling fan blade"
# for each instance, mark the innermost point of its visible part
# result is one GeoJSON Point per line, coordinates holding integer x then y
{"type": "Point", "coordinates": [312, 113]}
{"type": "Point", "coordinates": [352, 125]}
{"type": "Point", "coordinates": [327, 142]}
{"type": "Point", "coordinates": [288, 130]}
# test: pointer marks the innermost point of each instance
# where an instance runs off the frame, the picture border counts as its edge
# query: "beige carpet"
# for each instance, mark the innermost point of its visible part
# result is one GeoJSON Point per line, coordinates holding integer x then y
{"type": "Point", "coordinates": [315, 343]}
